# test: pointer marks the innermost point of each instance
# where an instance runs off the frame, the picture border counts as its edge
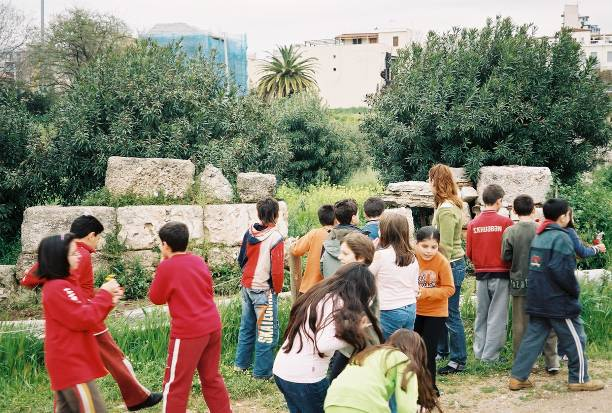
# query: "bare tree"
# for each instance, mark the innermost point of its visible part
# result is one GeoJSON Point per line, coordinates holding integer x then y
{"type": "Point", "coordinates": [14, 33]}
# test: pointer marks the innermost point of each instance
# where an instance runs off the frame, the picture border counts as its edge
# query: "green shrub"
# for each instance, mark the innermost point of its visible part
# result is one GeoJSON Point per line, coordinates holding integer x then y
{"type": "Point", "coordinates": [9, 250]}
{"type": "Point", "coordinates": [322, 150]}
{"type": "Point", "coordinates": [592, 206]}
{"type": "Point", "coordinates": [499, 95]}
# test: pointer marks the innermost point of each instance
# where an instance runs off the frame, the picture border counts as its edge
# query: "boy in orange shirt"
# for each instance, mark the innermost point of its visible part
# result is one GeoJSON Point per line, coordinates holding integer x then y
{"type": "Point", "coordinates": [436, 285]}
{"type": "Point", "coordinates": [311, 244]}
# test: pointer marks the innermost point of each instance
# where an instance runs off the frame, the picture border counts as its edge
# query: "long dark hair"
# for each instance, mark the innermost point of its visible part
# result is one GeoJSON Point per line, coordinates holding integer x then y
{"type": "Point", "coordinates": [53, 256]}
{"type": "Point", "coordinates": [413, 346]}
{"type": "Point", "coordinates": [355, 287]}
{"type": "Point", "coordinates": [395, 231]}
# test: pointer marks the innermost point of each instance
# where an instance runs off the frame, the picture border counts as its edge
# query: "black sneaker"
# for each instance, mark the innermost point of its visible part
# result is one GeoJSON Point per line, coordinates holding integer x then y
{"type": "Point", "coordinates": [552, 370]}
{"type": "Point", "coordinates": [451, 368]}
{"type": "Point", "coordinates": [150, 401]}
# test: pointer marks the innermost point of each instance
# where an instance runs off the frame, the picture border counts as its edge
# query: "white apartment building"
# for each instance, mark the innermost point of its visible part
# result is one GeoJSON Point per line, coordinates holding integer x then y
{"type": "Point", "coordinates": [593, 42]}
{"type": "Point", "coordinates": [348, 67]}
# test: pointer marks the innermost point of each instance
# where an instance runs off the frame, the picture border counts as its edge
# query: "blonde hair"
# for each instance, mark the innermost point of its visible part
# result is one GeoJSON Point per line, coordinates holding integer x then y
{"type": "Point", "coordinates": [361, 245]}
{"type": "Point", "coordinates": [444, 186]}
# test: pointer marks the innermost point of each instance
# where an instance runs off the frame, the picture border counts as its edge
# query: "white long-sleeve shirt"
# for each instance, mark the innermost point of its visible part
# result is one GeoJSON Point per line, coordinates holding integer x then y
{"type": "Point", "coordinates": [397, 286]}
{"type": "Point", "coordinates": [305, 365]}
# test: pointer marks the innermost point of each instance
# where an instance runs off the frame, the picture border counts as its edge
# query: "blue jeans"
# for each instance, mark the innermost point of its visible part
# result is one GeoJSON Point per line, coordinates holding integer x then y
{"type": "Point", "coordinates": [570, 333]}
{"type": "Point", "coordinates": [454, 323]}
{"type": "Point", "coordinates": [393, 320]}
{"type": "Point", "coordinates": [258, 331]}
{"type": "Point", "coordinates": [303, 397]}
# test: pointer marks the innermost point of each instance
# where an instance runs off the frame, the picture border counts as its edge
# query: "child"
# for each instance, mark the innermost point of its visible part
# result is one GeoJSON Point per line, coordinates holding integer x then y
{"type": "Point", "coordinates": [345, 212]}
{"type": "Point", "coordinates": [516, 243]}
{"type": "Point", "coordinates": [396, 271]}
{"type": "Point", "coordinates": [87, 230]}
{"type": "Point", "coordinates": [483, 246]}
{"type": "Point", "coordinates": [553, 302]}
{"type": "Point", "coordinates": [311, 244]}
{"type": "Point", "coordinates": [262, 261]}
{"type": "Point", "coordinates": [435, 287]}
{"type": "Point", "coordinates": [183, 281]}
{"type": "Point", "coordinates": [359, 248]}
{"type": "Point", "coordinates": [72, 357]}
{"type": "Point", "coordinates": [378, 372]}
{"type": "Point", "coordinates": [373, 209]}
{"type": "Point", "coordinates": [332, 315]}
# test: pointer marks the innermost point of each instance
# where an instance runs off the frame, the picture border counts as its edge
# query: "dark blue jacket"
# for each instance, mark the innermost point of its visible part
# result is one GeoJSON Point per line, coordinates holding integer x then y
{"type": "Point", "coordinates": [552, 288]}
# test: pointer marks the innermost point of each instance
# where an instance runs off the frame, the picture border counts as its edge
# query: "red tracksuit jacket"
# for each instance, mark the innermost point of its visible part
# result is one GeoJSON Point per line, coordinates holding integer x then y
{"type": "Point", "coordinates": [71, 352]}
{"type": "Point", "coordinates": [184, 282]}
{"type": "Point", "coordinates": [484, 240]}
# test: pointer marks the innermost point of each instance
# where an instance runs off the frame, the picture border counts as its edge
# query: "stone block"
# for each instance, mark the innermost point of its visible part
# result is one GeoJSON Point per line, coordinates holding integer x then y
{"type": "Point", "coordinates": [149, 176]}
{"type": "Point", "coordinates": [42, 221]}
{"type": "Point", "coordinates": [226, 224]}
{"type": "Point", "coordinates": [406, 212]}
{"type": "Point", "coordinates": [415, 194]}
{"type": "Point", "coordinates": [7, 277]}
{"type": "Point", "coordinates": [539, 215]}
{"type": "Point", "coordinates": [147, 258]}
{"type": "Point", "coordinates": [468, 194]}
{"type": "Point", "coordinates": [215, 187]}
{"type": "Point", "coordinates": [253, 186]}
{"type": "Point", "coordinates": [139, 225]}
{"type": "Point", "coordinates": [220, 255]}
{"type": "Point", "coordinates": [517, 180]}
{"type": "Point", "coordinates": [466, 214]}
{"type": "Point", "coordinates": [461, 177]}
{"type": "Point", "coordinates": [24, 263]}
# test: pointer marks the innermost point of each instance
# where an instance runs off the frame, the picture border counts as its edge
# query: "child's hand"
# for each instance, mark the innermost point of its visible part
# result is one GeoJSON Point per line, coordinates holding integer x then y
{"type": "Point", "coordinates": [365, 322]}
{"type": "Point", "coordinates": [114, 289]}
{"type": "Point", "coordinates": [601, 247]}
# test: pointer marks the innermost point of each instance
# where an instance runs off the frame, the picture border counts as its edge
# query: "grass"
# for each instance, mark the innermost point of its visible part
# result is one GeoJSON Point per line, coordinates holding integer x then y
{"type": "Point", "coordinates": [304, 203]}
{"type": "Point", "coordinates": [9, 250]}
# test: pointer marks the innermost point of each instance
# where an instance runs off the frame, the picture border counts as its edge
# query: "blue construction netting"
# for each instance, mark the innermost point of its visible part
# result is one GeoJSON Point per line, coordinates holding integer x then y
{"type": "Point", "coordinates": [236, 50]}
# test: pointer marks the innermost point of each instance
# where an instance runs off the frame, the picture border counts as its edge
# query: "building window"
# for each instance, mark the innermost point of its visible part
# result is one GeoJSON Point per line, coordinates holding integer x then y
{"type": "Point", "coordinates": [609, 57]}
{"type": "Point", "coordinates": [356, 41]}
{"type": "Point", "coordinates": [395, 41]}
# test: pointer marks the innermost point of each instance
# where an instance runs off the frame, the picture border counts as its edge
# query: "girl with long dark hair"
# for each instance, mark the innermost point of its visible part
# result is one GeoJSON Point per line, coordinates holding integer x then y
{"type": "Point", "coordinates": [332, 315]}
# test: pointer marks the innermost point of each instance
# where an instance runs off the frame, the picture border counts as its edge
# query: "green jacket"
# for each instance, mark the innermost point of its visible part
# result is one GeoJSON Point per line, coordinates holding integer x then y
{"type": "Point", "coordinates": [448, 219]}
{"type": "Point", "coordinates": [369, 387]}
{"type": "Point", "coordinates": [516, 243]}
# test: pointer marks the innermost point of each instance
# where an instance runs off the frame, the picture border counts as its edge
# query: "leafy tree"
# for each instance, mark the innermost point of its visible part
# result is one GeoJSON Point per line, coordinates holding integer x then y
{"type": "Point", "coordinates": [152, 101]}
{"type": "Point", "coordinates": [322, 150]}
{"type": "Point", "coordinates": [286, 74]}
{"type": "Point", "coordinates": [71, 41]}
{"type": "Point", "coordinates": [494, 96]}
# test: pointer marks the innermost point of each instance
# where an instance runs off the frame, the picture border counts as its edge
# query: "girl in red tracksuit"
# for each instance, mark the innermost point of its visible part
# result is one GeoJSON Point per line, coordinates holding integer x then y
{"type": "Point", "coordinates": [72, 357]}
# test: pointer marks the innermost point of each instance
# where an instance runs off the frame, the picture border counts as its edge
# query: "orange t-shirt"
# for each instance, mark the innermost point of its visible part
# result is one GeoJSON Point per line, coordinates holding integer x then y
{"type": "Point", "coordinates": [312, 245]}
{"type": "Point", "coordinates": [436, 285]}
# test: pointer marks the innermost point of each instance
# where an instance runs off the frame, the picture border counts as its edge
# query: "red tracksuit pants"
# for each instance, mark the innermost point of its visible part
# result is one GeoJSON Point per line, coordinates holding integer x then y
{"type": "Point", "coordinates": [184, 357]}
{"type": "Point", "coordinates": [120, 368]}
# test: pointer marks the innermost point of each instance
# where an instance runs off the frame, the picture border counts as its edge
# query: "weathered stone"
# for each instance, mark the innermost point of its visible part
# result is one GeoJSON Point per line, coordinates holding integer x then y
{"type": "Point", "coordinates": [215, 187]}
{"type": "Point", "coordinates": [24, 263]}
{"type": "Point", "coordinates": [42, 221]}
{"type": "Point", "coordinates": [414, 194]}
{"type": "Point", "coordinates": [289, 244]}
{"type": "Point", "coordinates": [539, 215]}
{"type": "Point", "coordinates": [7, 277]}
{"type": "Point", "coordinates": [147, 258]}
{"type": "Point", "coordinates": [466, 214]}
{"type": "Point", "coordinates": [461, 177]}
{"type": "Point", "coordinates": [226, 224]}
{"type": "Point", "coordinates": [140, 224]}
{"type": "Point", "coordinates": [406, 212]}
{"type": "Point", "coordinates": [468, 194]}
{"type": "Point", "coordinates": [220, 255]}
{"type": "Point", "coordinates": [253, 186]}
{"type": "Point", "coordinates": [149, 176]}
{"type": "Point", "coordinates": [504, 212]}
{"type": "Point", "coordinates": [517, 180]}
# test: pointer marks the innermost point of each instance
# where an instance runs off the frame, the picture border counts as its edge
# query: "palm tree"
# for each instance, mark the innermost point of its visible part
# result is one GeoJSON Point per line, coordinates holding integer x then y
{"type": "Point", "coordinates": [286, 73]}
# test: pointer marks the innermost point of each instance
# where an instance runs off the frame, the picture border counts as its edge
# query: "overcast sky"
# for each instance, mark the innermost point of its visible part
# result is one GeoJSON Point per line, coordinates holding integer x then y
{"type": "Point", "coordinates": [274, 22]}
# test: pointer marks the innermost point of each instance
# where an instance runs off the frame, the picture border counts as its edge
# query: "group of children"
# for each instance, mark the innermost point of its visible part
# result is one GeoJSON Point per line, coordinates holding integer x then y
{"type": "Point", "coordinates": [372, 316]}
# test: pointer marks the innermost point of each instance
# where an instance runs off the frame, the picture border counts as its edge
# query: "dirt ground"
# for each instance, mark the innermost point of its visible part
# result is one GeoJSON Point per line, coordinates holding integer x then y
{"type": "Point", "coordinates": [471, 393]}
